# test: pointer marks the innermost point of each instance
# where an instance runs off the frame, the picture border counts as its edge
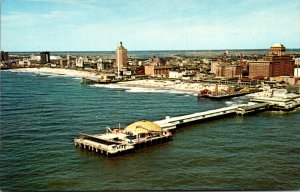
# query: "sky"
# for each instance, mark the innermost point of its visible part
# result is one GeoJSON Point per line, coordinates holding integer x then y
{"type": "Point", "coordinates": [99, 25]}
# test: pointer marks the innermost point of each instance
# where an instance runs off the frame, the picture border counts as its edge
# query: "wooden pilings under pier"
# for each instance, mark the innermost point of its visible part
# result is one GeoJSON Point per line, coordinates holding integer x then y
{"type": "Point", "coordinates": [101, 150]}
{"type": "Point", "coordinates": [150, 142]}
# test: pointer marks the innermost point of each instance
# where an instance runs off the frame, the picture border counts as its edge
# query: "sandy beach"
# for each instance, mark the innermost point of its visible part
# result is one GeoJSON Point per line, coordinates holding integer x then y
{"type": "Point", "coordinates": [172, 85]}
{"type": "Point", "coordinates": [192, 88]}
{"type": "Point", "coordinates": [58, 71]}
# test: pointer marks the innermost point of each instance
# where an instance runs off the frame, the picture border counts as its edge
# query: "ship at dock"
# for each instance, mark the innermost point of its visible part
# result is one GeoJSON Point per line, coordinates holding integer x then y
{"type": "Point", "coordinates": [91, 81]}
{"type": "Point", "coordinates": [119, 141]}
{"type": "Point", "coordinates": [225, 94]}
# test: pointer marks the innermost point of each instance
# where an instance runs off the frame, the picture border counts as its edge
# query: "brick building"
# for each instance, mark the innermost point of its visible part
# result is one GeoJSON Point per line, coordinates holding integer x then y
{"type": "Point", "coordinates": [277, 63]}
{"type": "Point", "coordinates": [157, 71]}
{"type": "Point", "coordinates": [121, 56]}
{"type": "Point", "coordinates": [229, 71]}
{"type": "Point", "coordinates": [214, 66]}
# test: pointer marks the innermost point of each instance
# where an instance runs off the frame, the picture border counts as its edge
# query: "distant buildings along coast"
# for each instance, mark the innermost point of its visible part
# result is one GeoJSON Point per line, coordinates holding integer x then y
{"type": "Point", "coordinates": [229, 65]}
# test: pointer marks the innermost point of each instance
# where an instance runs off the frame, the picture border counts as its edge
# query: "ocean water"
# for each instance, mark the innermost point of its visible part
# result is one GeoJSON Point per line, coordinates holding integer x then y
{"type": "Point", "coordinates": [40, 116]}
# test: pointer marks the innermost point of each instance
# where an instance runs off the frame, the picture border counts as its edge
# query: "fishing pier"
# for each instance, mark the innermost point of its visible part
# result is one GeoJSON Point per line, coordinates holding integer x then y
{"type": "Point", "coordinates": [146, 133]}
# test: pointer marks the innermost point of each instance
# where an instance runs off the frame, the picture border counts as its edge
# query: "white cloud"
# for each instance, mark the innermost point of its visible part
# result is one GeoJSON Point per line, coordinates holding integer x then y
{"type": "Point", "coordinates": [65, 1]}
{"type": "Point", "coordinates": [89, 27]}
{"type": "Point", "coordinates": [18, 19]}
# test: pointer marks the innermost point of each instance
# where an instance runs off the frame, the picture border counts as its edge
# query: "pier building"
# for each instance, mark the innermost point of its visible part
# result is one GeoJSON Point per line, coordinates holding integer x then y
{"type": "Point", "coordinates": [277, 98]}
{"type": "Point", "coordinates": [116, 141]}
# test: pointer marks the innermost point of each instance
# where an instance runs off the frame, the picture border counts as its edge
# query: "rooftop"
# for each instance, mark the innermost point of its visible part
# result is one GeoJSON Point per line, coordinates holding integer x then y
{"type": "Point", "coordinates": [143, 126]}
{"type": "Point", "coordinates": [277, 45]}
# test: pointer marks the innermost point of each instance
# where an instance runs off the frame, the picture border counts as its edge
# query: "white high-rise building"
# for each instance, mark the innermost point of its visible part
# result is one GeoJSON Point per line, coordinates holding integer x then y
{"type": "Point", "coordinates": [297, 72]}
{"type": "Point", "coordinates": [79, 62]}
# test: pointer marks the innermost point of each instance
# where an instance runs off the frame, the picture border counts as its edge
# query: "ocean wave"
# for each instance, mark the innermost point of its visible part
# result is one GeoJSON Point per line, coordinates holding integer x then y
{"type": "Point", "coordinates": [55, 75]}
{"type": "Point", "coordinates": [131, 89]}
{"type": "Point", "coordinates": [111, 86]}
{"type": "Point", "coordinates": [229, 103]}
{"type": "Point", "coordinates": [142, 90]}
{"type": "Point", "coordinates": [234, 102]}
{"type": "Point", "coordinates": [154, 90]}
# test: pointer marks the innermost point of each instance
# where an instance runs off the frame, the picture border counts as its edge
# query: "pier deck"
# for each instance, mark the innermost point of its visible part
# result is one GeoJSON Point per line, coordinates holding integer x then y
{"type": "Point", "coordinates": [96, 143]}
{"type": "Point", "coordinates": [170, 123]}
{"type": "Point", "coordinates": [252, 108]}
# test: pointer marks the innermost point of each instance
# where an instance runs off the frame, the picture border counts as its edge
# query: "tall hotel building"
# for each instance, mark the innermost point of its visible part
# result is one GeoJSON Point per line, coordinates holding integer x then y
{"type": "Point", "coordinates": [121, 57]}
{"type": "Point", "coordinates": [45, 57]}
{"type": "Point", "coordinates": [276, 63]}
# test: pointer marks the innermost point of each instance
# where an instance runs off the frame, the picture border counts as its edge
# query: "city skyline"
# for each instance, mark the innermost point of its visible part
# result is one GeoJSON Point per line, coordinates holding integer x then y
{"type": "Point", "coordinates": [73, 25]}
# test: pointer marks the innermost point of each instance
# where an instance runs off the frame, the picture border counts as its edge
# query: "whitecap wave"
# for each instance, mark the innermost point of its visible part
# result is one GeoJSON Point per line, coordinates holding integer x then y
{"type": "Point", "coordinates": [50, 75]}
{"type": "Point", "coordinates": [229, 103]}
{"type": "Point", "coordinates": [131, 89]}
{"type": "Point", "coordinates": [235, 102]}
{"type": "Point", "coordinates": [111, 86]}
{"type": "Point", "coordinates": [141, 90]}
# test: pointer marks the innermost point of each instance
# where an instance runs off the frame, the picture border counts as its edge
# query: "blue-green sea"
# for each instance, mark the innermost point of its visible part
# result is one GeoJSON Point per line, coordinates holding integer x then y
{"type": "Point", "coordinates": [41, 114]}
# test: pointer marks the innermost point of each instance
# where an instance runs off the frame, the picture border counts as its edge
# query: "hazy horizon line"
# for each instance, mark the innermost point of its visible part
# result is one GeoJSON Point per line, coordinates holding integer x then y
{"type": "Point", "coordinates": [147, 50]}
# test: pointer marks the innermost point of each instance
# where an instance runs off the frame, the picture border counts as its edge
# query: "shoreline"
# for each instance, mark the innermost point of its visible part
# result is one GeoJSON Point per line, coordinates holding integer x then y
{"type": "Point", "coordinates": [191, 88]}
{"type": "Point", "coordinates": [57, 71]}
{"type": "Point", "coordinates": [169, 85]}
